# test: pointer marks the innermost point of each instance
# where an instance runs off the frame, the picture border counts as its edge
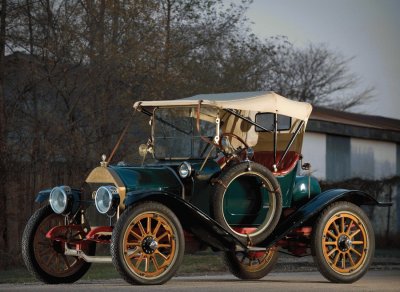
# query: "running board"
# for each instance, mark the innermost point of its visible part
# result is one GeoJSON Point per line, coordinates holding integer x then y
{"type": "Point", "coordinates": [90, 259]}
{"type": "Point", "coordinates": [250, 248]}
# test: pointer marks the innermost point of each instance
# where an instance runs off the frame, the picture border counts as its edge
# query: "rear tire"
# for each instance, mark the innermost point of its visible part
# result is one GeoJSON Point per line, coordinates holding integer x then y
{"type": "Point", "coordinates": [343, 242]}
{"type": "Point", "coordinates": [252, 265]}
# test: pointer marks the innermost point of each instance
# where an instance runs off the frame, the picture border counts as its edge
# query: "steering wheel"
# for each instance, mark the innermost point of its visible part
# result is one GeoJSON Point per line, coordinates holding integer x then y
{"type": "Point", "coordinates": [232, 135]}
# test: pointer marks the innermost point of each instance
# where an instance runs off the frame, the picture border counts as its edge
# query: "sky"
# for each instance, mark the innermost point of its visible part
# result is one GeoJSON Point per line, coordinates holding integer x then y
{"type": "Point", "coordinates": [367, 30]}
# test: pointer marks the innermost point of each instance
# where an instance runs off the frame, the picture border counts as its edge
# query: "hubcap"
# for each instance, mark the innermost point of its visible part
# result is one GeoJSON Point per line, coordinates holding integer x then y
{"type": "Point", "coordinates": [344, 243]}
{"type": "Point", "coordinates": [149, 245]}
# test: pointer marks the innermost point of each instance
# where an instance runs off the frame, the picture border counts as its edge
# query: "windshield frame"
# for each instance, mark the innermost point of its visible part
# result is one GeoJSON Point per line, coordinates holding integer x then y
{"type": "Point", "coordinates": [194, 136]}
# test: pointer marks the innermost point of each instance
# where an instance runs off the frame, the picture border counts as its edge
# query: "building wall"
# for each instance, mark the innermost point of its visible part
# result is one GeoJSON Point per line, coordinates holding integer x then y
{"type": "Point", "coordinates": [397, 200]}
{"type": "Point", "coordinates": [336, 158]}
{"type": "Point", "coordinates": [314, 152]}
{"type": "Point", "coordinates": [372, 159]}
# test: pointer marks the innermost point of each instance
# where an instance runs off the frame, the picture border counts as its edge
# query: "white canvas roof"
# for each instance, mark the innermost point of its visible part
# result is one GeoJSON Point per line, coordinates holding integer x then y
{"type": "Point", "coordinates": [259, 101]}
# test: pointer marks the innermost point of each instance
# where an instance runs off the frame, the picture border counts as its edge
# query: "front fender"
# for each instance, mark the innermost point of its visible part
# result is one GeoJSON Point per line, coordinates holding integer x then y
{"type": "Point", "coordinates": [316, 205]}
{"type": "Point", "coordinates": [192, 219]}
{"type": "Point", "coordinates": [76, 195]}
{"type": "Point", "coordinates": [43, 196]}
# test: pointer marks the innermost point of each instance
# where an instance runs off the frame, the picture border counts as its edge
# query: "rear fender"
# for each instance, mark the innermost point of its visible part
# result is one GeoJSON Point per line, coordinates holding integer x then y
{"type": "Point", "coordinates": [192, 219]}
{"type": "Point", "coordinates": [316, 205]}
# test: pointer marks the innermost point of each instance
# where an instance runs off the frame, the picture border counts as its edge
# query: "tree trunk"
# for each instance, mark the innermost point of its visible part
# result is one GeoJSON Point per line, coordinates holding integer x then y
{"type": "Point", "coordinates": [3, 142]}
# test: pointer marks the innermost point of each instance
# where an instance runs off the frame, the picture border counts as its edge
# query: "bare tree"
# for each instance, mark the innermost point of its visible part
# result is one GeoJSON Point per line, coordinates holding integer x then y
{"type": "Point", "coordinates": [317, 75]}
{"type": "Point", "coordinates": [3, 136]}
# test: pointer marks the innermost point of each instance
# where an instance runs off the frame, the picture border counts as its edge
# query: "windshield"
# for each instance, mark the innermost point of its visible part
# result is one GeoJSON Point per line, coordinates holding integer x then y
{"type": "Point", "coordinates": [175, 134]}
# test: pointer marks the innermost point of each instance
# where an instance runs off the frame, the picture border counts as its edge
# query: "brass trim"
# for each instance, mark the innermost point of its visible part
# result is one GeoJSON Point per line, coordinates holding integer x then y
{"type": "Point", "coordinates": [106, 175]}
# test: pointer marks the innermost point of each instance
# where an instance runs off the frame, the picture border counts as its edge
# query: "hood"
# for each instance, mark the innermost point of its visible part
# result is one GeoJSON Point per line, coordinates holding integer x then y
{"type": "Point", "coordinates": [127, 179]}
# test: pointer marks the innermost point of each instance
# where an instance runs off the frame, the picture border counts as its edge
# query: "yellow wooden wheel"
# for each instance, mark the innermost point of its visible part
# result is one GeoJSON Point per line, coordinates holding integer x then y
{"type": "Point", "coordinates": [343, 242]}
{"type": "Point", "coordinates": [147, 245]}
{"type": "Point", "coordinates": [251, 265]}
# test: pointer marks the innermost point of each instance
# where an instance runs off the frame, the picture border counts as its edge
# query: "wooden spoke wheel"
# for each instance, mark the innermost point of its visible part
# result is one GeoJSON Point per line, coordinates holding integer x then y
{"type": "Point", "coordinates": [45, 258]}
{"type": "Point", "coordinates": [252, 265]}
{"type": "Point", "coordinates": [343, 242]}
{"type": "Point", "coordinates": [147, 244]}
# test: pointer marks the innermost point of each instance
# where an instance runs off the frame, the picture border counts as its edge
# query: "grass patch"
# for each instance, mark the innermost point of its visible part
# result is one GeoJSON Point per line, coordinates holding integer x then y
{"type": "Point", "coordinates": [201, 263]}
{"type": "Point", "coordinates": [15, 275]}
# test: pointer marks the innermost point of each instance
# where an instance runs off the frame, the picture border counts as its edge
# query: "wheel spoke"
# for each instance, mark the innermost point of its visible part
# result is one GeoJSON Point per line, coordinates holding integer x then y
{"type": "Point", "coordinates": [336, 229]}
{"type": "Point", "coordinates": [164, 245]}
{"type": "Point", "coordinates": [154, 260]}
{"type": "Point", "coordinates": [134, 234]}
{"type": "Point", "coordinates": [148, 224]}
{"type": "Point", "coordinates": [45, 244]}
{"type": "Point", "coordinates": [330, 243]}
{"type": "Point", "coordinates": [139, 261]}
{"type": "Point", "coordinates": [356, 252]}
{"type": "Point", "coordinates": [343, 261]}
{"type": "Point", "coordinates": [43, 231]}
{"type": "Point", "coordinates": [141, 228]}
{"type": "Point", "coordinates": [56, 263]}
{"type": "Point", "coordinates": [162, 236]}
{"type": "Point", "coordinates": [358, 242]}
{"type": "Point", "coordinates": [336, 259]}
{"type": "Point", "coordinates": [50, 258]}
{"type": "Point", "coordinates": [331, 252]}
{"type": "Point", "coordinates": [330, 234]}
{"type": "Point", "coordinates": [146, 264]}
{"type": "Point", "coordinates": [342, 224]}
{"type": "Point", "coordinates": [64, 257]}
{"type": "Point", "coordinates": [355, 233]}
{"type": "Point", "coordinates": [132, 253]}
{"type": "Point", "coordinates": [134, 244]}
{"type": "Point", "coordinates": [162, 255]}
{"type": "Point", "coordinates": [350, 259]}
{"type": "Point", "coordinates": [157, 228]}
{"type": "Point", "coordinates": [349, 227]}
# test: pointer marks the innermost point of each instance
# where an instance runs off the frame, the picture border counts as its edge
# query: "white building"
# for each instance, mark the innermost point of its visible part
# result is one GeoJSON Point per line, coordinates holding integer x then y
{"type": "Point", "coordinates": [341, 146]}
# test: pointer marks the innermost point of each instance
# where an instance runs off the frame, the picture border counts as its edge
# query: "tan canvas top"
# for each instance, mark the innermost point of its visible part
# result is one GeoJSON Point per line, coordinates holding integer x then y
{"type": "Point", "coordinates": [259, 101]}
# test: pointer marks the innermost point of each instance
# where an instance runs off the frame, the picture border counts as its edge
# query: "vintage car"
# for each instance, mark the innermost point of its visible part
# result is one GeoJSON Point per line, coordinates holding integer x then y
{"type": "Point", "coordinates": [219, 171]}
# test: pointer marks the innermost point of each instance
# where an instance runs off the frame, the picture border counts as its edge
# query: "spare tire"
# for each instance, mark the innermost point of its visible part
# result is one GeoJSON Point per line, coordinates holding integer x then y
{"type": "Point", "coordinates": [247, 201]}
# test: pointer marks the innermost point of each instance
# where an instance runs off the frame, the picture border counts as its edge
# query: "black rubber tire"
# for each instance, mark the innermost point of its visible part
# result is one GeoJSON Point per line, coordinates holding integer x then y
{"type": "Point", "coordinates": [352, 249]}
{"type": "Point", "coordinates": [124, 226]}
{"type": "Point", "coordinates": [270, 182]}
{"type": "Point", "coordinates": [34, 231]}
{"type": "Point", "coordinates": [246, 267]}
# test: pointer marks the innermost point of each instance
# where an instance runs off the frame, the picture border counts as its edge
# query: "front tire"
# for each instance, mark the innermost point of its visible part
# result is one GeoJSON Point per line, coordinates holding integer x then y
{"type": "Point", "coordinates": [343, 243]}
{"type": "Point", "coordinates": [44, 258]}
{"type": "Point", "coordinates": [147, 244]}
{"type": "Point", "coordinates": [251, 265]}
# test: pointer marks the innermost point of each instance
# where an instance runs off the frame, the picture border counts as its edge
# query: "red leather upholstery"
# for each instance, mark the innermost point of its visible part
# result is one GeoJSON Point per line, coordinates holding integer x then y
{"type": "Point", "coordinates": [266, 158]}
